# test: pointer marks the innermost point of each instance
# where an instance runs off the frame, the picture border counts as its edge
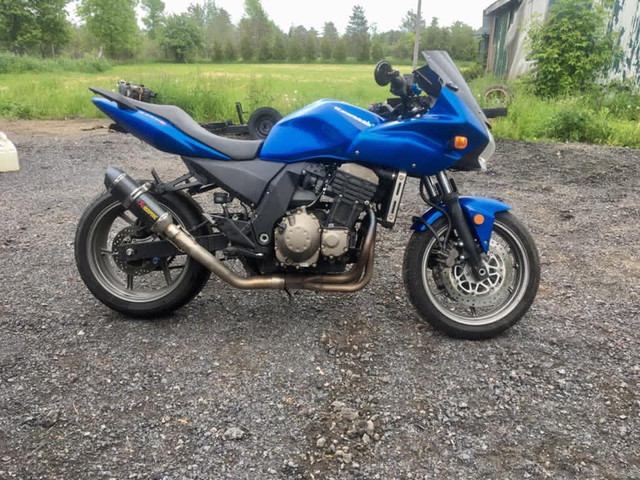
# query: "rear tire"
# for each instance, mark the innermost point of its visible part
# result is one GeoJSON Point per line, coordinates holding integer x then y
{"type": "Point", "coordinates": [145, 289]}
{"type": "Point", "coordinates": [451, 300]}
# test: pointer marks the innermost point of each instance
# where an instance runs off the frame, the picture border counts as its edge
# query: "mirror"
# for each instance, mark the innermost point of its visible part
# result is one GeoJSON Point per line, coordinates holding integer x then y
{"type": "Point", "coordinates": [383, 73]}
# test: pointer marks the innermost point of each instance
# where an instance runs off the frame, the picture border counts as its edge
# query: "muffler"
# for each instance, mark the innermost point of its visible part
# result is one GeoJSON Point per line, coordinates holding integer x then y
{"type": "Point", "coordinates": [137, 199]}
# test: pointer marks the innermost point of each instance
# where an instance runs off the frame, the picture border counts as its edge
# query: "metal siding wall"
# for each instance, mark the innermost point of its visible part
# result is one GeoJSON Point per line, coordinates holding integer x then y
{"type": "Point", "coordinates": [626, 21]}
{"type": "Point", "coordinates": [517, 45]}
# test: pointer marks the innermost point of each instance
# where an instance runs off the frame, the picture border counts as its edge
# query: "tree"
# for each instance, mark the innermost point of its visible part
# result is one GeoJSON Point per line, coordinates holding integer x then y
{"type": "Point", "coordinates": [54, 30]}
{"type": "Point", "coordinates": [230, 51]}
{"type": "Point", "coordinates": [377, 49]}
{"type": "Point", "coordinates": [358, 34]}
{"type": "Point", "coordinates": [16, 23]}
{"type": "Point", "coordinates": [181, 37]}
{"type": "Point", "coordinates": [340, 51]}
{"type": "Point", "coordinates": [112, 23]}
{"type": "Point", "coordinates": [310, 46]}
{"type": "Point", "coordinates": [218, 52]}
{"type": "Point", "coordinates": [214, 23]}
{"type": "Point", "coordinates": [435, 37]}
{"type": "Point", "coordinates": [408, 24]}
{"type": "Point", "coordinates": [279, 49]}
{"type": "Point", "coordinates": [463, 45]}
{"type": "Point", "coordinates": [571, 48]}
{"type": "Point", "coordinates": [154, 16]}
{"type": "Point", "coordinates": [297, 37]}
{"type": "Point", "coordinates": [256, 31]}
{"type": "Point", "coordinates": [246, 43]}
{"type": "Point", "coordinates": [34, 26]}
{"type": "Point", "coordinates": [330, 37]}
{"type": "Point", "coordinates": [264, 52]}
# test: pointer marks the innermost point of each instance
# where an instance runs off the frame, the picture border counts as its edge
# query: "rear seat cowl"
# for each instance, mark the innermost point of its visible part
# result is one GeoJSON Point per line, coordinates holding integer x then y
{"type": "Point", "coordinates": [234, 149]}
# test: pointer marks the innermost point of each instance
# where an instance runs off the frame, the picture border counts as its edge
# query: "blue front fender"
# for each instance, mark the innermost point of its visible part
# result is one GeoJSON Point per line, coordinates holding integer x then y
{"type": "Point", "coordinates": [471, 206]}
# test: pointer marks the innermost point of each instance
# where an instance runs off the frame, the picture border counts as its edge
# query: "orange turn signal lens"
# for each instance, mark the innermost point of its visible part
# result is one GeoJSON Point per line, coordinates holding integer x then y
{"type": "Point", "coordinates": [460, 143]}
{"type": "Point", "coordinates": [478, 219]}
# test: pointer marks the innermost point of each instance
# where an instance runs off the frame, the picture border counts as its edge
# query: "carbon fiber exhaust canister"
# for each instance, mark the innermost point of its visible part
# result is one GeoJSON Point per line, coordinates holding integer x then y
{"type": "Point", "coordinates": [134, 197]}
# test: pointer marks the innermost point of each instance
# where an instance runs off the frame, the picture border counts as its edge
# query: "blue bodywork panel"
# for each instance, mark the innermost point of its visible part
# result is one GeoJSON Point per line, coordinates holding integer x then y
{"type": "Point", "coordinates": [470, 207]}
{"type": "Point", "coordinates": [323, 129]}
{"type": "Point", "coordinates": [156, 131]}
{"type": "Point", "coordinates": [333, 130]}
{"type": "Point", "coordinates": [424, 145]}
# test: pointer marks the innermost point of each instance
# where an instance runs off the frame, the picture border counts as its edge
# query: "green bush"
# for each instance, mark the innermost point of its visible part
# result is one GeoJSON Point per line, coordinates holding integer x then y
{"type": "Point", "coordinates": [571, 48]}
{"type": "Point", "coordinates": [472, 72]}
{"type": "Point", "coordinates": [577, 124]}
{"type": "Point", "coordinates": [621, 100]}
{"type": "Point", "coordinates": [10, 63]}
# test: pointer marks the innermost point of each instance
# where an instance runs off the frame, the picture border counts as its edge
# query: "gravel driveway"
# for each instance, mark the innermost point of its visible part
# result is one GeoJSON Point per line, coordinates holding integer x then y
{"type": "Point", "coordinates": [251, 385]}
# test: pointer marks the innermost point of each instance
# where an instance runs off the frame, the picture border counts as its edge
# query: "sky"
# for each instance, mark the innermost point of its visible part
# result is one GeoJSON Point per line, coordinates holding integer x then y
{"type": "Point", "coordinates": [387, 15]}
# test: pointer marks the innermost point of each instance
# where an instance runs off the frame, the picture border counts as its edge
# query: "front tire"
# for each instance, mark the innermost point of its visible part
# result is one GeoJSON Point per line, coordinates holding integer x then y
{"type": "Point", "coordinates": [453, 301]}
{"type": "Point", "coordinates": [139, 289]}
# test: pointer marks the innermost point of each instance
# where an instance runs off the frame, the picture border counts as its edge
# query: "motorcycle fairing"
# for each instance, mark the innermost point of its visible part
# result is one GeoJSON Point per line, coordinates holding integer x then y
{"type": "Point", "coordinates": [323, 129]}
{"type": "Point", "coordinates": [156, 131]}
{"type": "Point", "coordinates": [424, 145]}
{"type": "Point", "coordinates": [471, 206]}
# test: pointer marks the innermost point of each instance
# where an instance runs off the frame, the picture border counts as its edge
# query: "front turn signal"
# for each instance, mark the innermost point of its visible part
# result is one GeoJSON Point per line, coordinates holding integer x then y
{"type": "Point", "coordinates": [460, 143]}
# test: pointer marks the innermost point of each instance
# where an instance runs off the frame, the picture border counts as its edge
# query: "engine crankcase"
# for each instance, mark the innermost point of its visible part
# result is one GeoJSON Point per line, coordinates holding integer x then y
{"type": "Point", "coordinates": [298, 239]}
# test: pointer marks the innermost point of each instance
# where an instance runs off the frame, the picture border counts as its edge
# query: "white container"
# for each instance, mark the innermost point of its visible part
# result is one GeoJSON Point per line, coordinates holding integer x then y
{"type": "Point", "coordinates": [8, 155]}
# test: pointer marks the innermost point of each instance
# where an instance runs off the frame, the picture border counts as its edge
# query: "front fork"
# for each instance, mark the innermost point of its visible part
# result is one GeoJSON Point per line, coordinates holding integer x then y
{"type": "Point", "coordinates": [449, 196]}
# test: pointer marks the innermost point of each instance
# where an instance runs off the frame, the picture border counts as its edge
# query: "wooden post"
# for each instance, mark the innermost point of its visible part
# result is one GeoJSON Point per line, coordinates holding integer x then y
{"type": "Point", "coordinates": [416, 45]}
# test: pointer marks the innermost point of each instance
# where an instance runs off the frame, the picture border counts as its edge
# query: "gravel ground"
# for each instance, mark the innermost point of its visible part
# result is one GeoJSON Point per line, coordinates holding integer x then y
{"type": "Point", "coordinates": [250, 385]}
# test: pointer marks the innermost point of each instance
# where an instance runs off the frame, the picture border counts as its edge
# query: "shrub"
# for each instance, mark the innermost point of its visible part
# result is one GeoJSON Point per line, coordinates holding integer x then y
{"type": "Point", "coordinates": [577, 124]}
{"type": "Point", "coordinates": [571, 48]}
{"type": "Point", "coordinates": [10, 63]}
{"type": "Point", "coordinates": [474, 71]}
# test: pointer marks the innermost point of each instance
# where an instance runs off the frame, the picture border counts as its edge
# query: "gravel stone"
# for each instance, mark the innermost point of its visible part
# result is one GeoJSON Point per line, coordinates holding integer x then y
{"type": "Point", "coordinates": [233, 433]}
{"type": "Point", "coordinates": [150, 399]}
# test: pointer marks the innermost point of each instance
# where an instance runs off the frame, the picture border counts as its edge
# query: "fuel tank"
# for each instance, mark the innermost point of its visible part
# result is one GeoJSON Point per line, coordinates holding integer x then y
{"type": "Point", "coordinates": [323, 129]}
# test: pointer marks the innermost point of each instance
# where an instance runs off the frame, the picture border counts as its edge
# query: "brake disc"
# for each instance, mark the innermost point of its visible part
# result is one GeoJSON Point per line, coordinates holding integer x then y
{"type": "Point", "coordinates": [462, 286]}
{"type": "Point", "coordinates": [138, 267]}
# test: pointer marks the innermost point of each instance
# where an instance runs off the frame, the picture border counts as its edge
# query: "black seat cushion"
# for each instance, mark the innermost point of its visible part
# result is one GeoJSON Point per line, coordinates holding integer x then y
{"type": "Point", "coordinates": [235, 149]}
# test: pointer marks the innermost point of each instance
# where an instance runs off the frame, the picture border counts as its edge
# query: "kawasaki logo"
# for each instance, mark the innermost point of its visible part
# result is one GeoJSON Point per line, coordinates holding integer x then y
{"type": "Point", "coordinates": [352, 116]}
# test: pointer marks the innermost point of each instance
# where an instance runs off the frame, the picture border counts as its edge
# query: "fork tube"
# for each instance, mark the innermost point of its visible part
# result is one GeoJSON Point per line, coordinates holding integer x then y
{"type": "Point", "coordinates": [451, 200]}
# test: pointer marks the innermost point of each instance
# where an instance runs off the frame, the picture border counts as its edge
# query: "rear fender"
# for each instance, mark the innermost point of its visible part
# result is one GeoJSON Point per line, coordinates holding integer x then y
{"type": "Point", "coordinates": [471, 206]}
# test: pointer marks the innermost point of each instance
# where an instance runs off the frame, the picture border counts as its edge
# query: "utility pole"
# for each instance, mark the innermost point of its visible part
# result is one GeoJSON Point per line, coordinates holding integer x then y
{"type": "Point", "coordinates": [416, 45]}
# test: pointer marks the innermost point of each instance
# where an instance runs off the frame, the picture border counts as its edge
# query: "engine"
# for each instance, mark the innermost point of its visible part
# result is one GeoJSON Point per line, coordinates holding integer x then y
{"type": "Point", "coordinates": [308, 235]}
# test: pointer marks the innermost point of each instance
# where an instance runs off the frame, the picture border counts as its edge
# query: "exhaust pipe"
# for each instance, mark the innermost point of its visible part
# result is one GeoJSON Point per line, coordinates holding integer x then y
{"type": "Point", "coordinates": [135, 198]}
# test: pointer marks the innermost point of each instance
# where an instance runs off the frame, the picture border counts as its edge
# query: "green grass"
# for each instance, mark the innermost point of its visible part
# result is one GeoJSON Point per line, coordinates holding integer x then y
{"type": "Point", "coordinates": [209, 91]}
{"type": "Point", "coordinates": [206, 91]}
{"type": "Point", "coordinates": [606, 115]}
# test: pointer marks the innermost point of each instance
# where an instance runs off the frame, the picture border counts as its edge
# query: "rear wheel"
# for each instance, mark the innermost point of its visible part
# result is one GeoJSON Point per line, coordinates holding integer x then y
{"type": "Point", "coordinates": [142, 288]}
{"type": "Point", "coordinates": [451, 299]}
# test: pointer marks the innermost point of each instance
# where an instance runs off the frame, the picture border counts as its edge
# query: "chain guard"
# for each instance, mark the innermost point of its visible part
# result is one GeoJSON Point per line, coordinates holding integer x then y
{"type": "Point", "coordinates": [462, 287]}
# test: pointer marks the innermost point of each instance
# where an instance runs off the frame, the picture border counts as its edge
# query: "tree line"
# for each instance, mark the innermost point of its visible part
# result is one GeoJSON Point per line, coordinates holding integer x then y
{"type": "Point", "coordinates": [110, 28]}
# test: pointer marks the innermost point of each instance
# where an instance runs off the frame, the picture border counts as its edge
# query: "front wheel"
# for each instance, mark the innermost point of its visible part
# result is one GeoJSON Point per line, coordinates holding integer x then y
{"type": "Point", "coordinates": [451, 299]}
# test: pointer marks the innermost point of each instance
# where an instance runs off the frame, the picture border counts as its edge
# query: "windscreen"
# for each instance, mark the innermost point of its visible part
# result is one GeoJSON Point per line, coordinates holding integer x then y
{"type": "Point", "coordinates": [440, 63]}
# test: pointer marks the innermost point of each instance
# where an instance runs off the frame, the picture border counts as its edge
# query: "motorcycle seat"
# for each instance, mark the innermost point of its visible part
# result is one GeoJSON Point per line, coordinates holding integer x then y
{"type": "Point", "coordinates": [232, 148]}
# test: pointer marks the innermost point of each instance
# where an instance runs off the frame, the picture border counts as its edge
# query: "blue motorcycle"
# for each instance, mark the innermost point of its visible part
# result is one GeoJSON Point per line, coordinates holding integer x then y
{"type": "Point", "coordinates": [299, 210]}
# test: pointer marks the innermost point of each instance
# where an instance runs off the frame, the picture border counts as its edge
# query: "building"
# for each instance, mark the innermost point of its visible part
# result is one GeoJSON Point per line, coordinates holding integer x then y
{"type": "Point", "coordinates": [507, 22]}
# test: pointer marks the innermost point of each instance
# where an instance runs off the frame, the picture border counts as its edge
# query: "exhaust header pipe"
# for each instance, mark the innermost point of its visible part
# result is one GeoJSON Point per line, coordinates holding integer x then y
{"type": "Point", "coordinates": [137, 199]}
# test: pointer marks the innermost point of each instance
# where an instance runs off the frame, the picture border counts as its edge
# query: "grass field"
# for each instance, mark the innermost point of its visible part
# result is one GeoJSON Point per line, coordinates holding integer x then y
{"type": "Point", "coordinates": [207, 91]}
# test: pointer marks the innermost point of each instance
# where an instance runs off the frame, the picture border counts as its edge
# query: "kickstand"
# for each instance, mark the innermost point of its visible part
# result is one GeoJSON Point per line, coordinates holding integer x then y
{"type": "Point", "coordinates": [289, 294]}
